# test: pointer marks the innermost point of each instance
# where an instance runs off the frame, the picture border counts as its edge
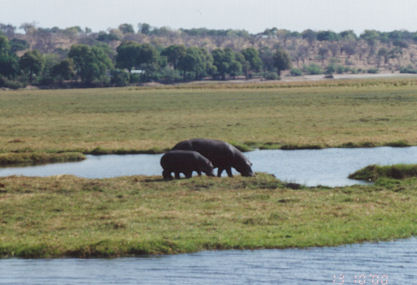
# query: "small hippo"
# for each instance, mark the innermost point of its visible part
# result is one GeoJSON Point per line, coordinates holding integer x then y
{"type": "Point", "coordinates": [185, 161]}
{"type": "Point", "coordinates": [221, 154]}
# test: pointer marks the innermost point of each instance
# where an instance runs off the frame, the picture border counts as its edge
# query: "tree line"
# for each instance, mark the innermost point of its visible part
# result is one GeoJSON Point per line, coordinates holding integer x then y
{"type": "Point", "coordinates": [132, 62]}
{"type": "Point", "coordinates": [54, 57]}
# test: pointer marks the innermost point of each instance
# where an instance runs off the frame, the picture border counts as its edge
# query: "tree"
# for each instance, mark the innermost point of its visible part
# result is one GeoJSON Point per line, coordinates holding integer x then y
{"type": "Point", "coordinates": [31, 63]}
{"type": "Point", "coordinates": [370, 36]}
{"type": "Point", "coordinates": [226, 63]}
{"type": "Point", "coordinates": [194, 61]}
{"type": "Point", "coordinates": [267, 57]}
{"type": "Point", "coordinates": [18, 45]}
{"type": "Point", "coordinates": [126, 55]}
{"type": "Point", "coordinates": [309, 35]}
{"type": "Point", "coordinates": [327, 36]}
{"type": "Point", "coordinates": [119, 77]}
{"type": "Point", "coordinates": [63, 70]}
{"type": "Point", "coordinates": [4, 46]}
{"type": "Point", "coordinates": [8, 60]}
{"type": "Point", "coordinates": [251, 56]}
{"type": "Point", "coordinates": [133, 55]}
{"type": "Point", "coordinates": [144, 28]}
{"type": "Point", "coordinates": [281, 60]}
{"type": "Point", "coordinates": [348, 35]}
{"type": "Point", "coordinates": [91, 63]}
{"type": "Point", "coordinates": [174, 53]}
{"type": "Point", "coordinates": [126, 29]}
{"type": "Point", "coordinates": [8, 30]}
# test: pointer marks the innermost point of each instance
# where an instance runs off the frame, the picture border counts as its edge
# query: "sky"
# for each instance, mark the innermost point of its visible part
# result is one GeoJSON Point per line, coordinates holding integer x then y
{"type": "Point", "coordinates": [252, 15]}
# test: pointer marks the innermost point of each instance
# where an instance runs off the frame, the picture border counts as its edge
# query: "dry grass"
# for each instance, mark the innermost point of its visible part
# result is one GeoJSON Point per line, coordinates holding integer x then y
{"type": "Point", "coordinates": [343, 113]}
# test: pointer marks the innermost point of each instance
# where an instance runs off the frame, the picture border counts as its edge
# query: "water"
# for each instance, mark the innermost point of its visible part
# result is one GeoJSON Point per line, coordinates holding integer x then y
{"type": "Point", "coordinates": [368, 263]}
{"type": "Point", "coordinates": [328, 167]}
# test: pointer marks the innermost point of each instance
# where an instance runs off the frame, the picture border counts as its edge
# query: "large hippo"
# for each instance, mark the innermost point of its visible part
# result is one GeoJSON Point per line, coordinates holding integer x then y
{"type": "Point", "coordinates": [221, 154]}
{"type": "Point", "coordinates": [185, 161]}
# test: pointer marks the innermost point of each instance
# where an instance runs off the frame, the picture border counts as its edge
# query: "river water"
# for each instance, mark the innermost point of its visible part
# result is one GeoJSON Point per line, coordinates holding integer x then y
{"type": "Point", "coordinates": [328, 167]}
{"type": "Point", "coordinates": [392, 262]}
{"type": "Point", "coordinates": [368, 263]}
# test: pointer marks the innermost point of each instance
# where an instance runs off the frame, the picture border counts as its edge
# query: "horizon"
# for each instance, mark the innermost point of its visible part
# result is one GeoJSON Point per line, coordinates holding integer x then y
{"type": "Point", "coordinates": [135, 27]}
{"type": "Point", "coordinates": [292, 15]}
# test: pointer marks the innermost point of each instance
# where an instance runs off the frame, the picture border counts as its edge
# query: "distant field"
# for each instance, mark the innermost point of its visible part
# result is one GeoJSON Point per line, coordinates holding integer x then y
{"type": "Point", "coordinates": [289, 115]}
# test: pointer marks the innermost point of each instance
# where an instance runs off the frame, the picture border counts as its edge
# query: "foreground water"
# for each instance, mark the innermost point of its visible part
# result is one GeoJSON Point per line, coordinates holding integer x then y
{"type": "Point", "coordinates": [328, 167]}
{"type": "Point", "coordinates": [368, 263]}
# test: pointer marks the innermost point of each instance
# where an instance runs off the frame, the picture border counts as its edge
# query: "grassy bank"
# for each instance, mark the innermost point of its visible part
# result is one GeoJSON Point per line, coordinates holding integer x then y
{"type": "Point", "coordinates": [33, 158]}
{"type": "Point", "coordinates": [348, 113]}
{"type": "Point", "coordinates": [127, 216]}
{"type": "Point", "coordinates": [376, 172]}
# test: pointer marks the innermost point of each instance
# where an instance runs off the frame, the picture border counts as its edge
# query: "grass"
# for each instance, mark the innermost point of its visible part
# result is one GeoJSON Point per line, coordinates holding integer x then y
{"type": "Point", "coordinates": [375, 172]}
{"type": "Point", "coordinates": [12, 159]}
{"type": "Point", "coordinates": [128, 216]}
{"type": "Point", "coordinates": [355, 113]}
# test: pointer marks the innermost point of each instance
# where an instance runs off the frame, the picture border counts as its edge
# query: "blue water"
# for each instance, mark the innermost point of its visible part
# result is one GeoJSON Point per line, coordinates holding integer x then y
{"type": "Point", "coordinates": [328, 167]}
{"type": "Point", "coordinates": [368, 263]}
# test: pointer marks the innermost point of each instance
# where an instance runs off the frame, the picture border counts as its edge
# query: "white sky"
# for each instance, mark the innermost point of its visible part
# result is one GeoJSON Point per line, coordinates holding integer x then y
{"type": "Point", "coordinates": [252, 15]}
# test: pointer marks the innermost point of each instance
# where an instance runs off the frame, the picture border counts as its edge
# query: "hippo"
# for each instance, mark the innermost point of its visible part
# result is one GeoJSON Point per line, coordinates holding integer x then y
{"type": "Point", "coordinates": [185, 161]}
{"type": "Point", "coordinates": [223, 155]}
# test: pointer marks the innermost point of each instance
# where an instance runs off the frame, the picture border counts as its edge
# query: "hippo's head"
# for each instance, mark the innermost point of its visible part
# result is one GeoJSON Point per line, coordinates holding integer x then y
{"type": "Point", "coordinates": [245, 168]}
{"type": "Point", "coordinates": [208, 169]}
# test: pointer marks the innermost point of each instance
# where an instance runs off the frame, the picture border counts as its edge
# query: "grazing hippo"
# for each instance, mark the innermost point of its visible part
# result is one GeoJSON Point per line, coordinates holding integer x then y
{"type": "Point", "coordinates": [185, 161]}
{"type": "Point", "coordinates": [221, 154]}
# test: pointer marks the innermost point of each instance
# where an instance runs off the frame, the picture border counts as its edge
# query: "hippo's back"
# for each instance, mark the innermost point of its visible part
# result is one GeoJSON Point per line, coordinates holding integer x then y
{"type": "Point", "coordinates": [218, 152]}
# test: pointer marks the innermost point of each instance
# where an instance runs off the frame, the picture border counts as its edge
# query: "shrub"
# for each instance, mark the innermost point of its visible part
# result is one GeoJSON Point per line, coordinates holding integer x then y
{"type": "Point", "coordinates": [313, 69]}
{"type": "Point", "coordinates": [271, 76]}
{"type": "Point", "coordinates": [408, 69]}
{"type": "Point", "coordinates": [12, 84]}
{"type": "Point", "coordinates": [119, 77]}
{"type": "Point", "coordinates": [296, 72]}
{"type": "Point", "coordinates": [169, 75]}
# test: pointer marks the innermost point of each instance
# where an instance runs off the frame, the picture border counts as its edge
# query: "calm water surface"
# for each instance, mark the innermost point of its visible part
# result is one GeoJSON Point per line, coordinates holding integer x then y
{"type": "Point", "coordinates": [368, 263]}
{"type": "Point", "coordinates": [329, 167]}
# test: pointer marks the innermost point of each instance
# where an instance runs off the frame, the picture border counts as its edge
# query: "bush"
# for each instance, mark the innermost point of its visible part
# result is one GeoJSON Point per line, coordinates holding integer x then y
{"type": "Point", "coordinates": [373, 70]}
{"type": "Point", "coordinates": [169, 75]}
{"type": "Point", "coordinates": [313, 69]}
{"type": "Point", "coordinates": [296, 72]}
{"type": "Point", "coordinates": [4, 82]}
{"type": "Point", "coordinates": [408, 69]}
{"type": "Point", "coordinates": [271, 76]}
{"type": "Point", "coordinates": [330, 69]}
{"type": "Point", "coordinates": [119, 77]}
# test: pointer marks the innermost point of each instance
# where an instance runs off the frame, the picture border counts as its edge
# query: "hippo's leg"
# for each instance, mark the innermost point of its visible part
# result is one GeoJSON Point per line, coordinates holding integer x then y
{"type": "Point", "coordinates": [177, 175]}
{"type": "Point", "coordinates": [166, 174]}
{"type": "Point", "coordinates": [188, 174]}
{"type": "Point", "coordinates": [229, 171]}
{"type": "Point", "coordinates": [219, 171]}
{"type": "Point", "coordinates": [199, 172]}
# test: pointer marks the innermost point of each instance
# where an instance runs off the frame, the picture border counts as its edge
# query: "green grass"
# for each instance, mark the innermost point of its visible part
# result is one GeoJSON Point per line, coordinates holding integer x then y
{"type": "Point", "coordinates": [128, 216]}
{"type": "Point", "coordinates": [375, 172]}
{"type": "Point", "coordinates": [32, 158]}
{"type": "Point", "coordinates": [132, 120]}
